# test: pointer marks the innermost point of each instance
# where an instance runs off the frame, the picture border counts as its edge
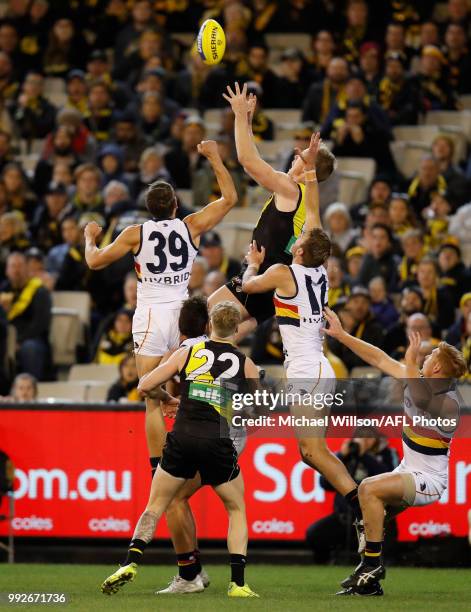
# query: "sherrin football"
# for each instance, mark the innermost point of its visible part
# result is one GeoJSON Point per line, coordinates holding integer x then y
{"type": "Point", "coordinates": [211, 42]}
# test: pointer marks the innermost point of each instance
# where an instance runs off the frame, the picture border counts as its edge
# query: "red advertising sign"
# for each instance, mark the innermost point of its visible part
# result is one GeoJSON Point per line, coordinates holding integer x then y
{"type": "Point", "coordinates": [86, 474]}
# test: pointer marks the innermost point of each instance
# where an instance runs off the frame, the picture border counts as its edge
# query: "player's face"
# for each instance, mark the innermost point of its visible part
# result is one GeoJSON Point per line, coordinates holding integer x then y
{"type": "Point", "coordinates": [296, 172]}
{"type": "Point", "coordinates": [431, 363]}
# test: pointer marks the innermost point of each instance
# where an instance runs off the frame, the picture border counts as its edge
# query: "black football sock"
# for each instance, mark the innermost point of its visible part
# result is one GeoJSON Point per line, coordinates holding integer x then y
{"type": "Point", "coordinates": [187, 566]}
{"type": "Point", "coordinates": [354, 503]}
{"type": "Point", "coordinates": [135, 551]}
{"type": "Point", "coordinates": [197, 555]}
{"type": "Point", "coordinates": [372, 554]}
{"type": "Point", "coordinates": [238, 563]}
{"type": "Point", "coordinates": [154, 462]}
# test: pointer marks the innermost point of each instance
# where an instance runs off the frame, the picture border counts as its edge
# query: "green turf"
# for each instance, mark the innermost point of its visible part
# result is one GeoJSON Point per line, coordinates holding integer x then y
{"type": "Point", "coordinates": [281, 588]}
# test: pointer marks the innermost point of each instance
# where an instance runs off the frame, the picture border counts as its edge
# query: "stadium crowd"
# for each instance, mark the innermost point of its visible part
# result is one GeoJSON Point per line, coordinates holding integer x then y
{"type": "Point", "coordinates": [133, 110]}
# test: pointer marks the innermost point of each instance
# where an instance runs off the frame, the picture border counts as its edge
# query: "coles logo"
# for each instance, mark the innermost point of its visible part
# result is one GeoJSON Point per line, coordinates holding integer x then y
{"type": "Point", "coordinates": [429, 529]}
{"type": "Point", "coordinates": [273, 526]}
{"type": "Point", "coordinates": [32, 523]}
{"type": "Point", "coordinates": [109, 524]}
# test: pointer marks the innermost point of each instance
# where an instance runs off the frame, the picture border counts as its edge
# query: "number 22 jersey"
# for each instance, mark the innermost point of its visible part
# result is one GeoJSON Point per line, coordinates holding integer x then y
{"type": "Point", "coordinates": [163, 262]}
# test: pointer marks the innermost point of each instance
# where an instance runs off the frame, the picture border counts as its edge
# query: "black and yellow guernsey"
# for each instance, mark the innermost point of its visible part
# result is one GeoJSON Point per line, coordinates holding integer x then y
{"type": "Point", "coordinates": [212, 372]}
{"type": "Point", "coordinates": [277, 230]}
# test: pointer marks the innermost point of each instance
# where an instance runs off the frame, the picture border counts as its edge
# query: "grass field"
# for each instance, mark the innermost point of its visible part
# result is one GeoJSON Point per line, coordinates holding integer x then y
{"type": "Point", "coordinates": [281, 588]}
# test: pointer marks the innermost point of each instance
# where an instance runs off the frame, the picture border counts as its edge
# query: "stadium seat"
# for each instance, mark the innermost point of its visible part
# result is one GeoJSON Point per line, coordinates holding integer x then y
{"type": "Point", "coordinates": [242, 215]}
{"type": "Point", "coordinates": [236, 237]}
{"type": "Point", "coordinates": [212, 120]}
{"type": "Point", "coordinates": [459, 119]}
{"type": "Point", "coordinates": [273, 150]}
{"type": "Point", "coordinates": [257, 196]}
{"type": "Point", "coordinates": [355, 174]}
{"type": "Point", "coordinates": [99, 372]}
{"type": "Point", "coordinates": [61, 391]}
{"type": "Point", "coordinates": [408, 155]}
{"type": "Point", "coordinates": [365, 165]}
{"type": "Point", "coordinates": [464, 391]}
{"type": "Point", "coordinates": [185, 196]}
{"type": "Point", "coordinates": [74, 300]}
{"type": "Point", "coordinates": [96, 391]}
{"type": "Point", "coordinates": [278, 42]}
{"type": "Point", "coordinates": [56, 98]}
{"type": "Point", "coordinates": [465, 101]}
{"type": "Point", "coordinates": [65, 336]}
{"type": "Point", "coordinates": [54, 85]}
{"type": "Point", "coordinates": [28, 162]}
{"type": "Point", "coordinates": [279, 116]}
{"type": "Point", "coordinates": [416, 133]}
{"type": "Point", "coordinates": [365, 372]}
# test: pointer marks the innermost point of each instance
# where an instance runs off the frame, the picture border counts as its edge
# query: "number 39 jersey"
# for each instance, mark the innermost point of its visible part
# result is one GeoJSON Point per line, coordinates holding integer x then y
{"type": "Point", "coordinates": [163, 262]}
{"type": "Point", "coordinates": [300, 317]}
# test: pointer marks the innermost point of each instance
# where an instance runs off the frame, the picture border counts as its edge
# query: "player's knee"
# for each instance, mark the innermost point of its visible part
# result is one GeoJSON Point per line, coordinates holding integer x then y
{"type": "Point", "coordinates": [234, 505]}
{"type": "Point", "coordinates": [176, 507]}
{"type": "Point", "coordinates": [367, 488]}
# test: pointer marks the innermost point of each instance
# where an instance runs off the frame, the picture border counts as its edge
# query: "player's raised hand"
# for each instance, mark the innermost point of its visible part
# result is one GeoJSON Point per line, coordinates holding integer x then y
{"type": "Point", "coordinates": [92, 230]}
{"type": "Point", "coordinates": [335, 328]}
{"type": "Point", "coordinates": [254, 256]}
{"type": "Point", "coordinates": [413, 350]}
{"type": "Point", "coordinates": [309, 156]}
{"type": "Point", "coordinates": [251, 103]}
{"type": "Point", "coordinates": [208, 148]}
{"type": "Point", "coordinates": [237, 99]}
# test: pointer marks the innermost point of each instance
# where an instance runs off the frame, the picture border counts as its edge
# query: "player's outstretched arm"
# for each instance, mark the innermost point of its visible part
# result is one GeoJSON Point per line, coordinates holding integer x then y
{"type": "Point", "coordinates": [277, 276]}
{"type": "Point", "coordinates": [369, 353]}
{"type": "Point", "coordinates": [213, 213]}
{"type": "Point", "coordinates": [96, 258]}
{"type": "Point", "coordinates": [163, 372]}
{"type": "Point", "coordinates": [247, 152]}
{"type": "Point", "coordinates": [313, 216]}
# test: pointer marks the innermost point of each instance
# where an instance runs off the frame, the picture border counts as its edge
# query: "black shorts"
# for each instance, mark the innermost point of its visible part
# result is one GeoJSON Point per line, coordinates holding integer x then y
{"type": "Point", "coordinates": [258, 305]}
{"type": "Point", "coordinates": [214, 458]}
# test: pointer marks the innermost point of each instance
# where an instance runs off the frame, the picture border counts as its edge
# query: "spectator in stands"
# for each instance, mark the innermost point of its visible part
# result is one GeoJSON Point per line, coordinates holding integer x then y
{"type": "Point", "coordinates": [439, 306]}
{"type": "Point", "coordinates": [110, 162]}
{"type": "Point", "coordinates": [60, 150]}
{"type": "Point", "coordinates": [151, 168]}
{"type": "Point", "coordinates": [142, 19]}
{"type": "Point", "coordinates": [443, 152]}
{"type": "Point", "coordinates": [83, 143]}
{"type": "Point", "coordinates": [116, 341]}
{"type": "Point", "coordinates": [67, 49]}
{"type": "Point", "coordinates": [356, 136]}
{"type": "Point", "coordinates": [437, 218]}
{"type": "Point", "coordinates": [458, 332]}
{"type": "Point", "coordinates": [35, 263]}
{"type": "Point", "coordinates": [9, 84]}
{"type": "Point", "coordinates": [13, 235]}
{"type": "Point", "coordinates": [197, 276]}
{"type": "Point", "coordinates": [267, 346]}
{"type": "Point", "coordinates": [378, 195]}
{"type": "Point", "coordinates": [130, 291]}
{"type": "Point", "coordinates": [9, 44]}
{"type": "Point", "coordinates": [70, 233]}
{"type": "Point", "coordinates": [19, 195]}
{"type": "Point", "coordinates": [152, 120]}
{"type": "Point", "coordinates": [459, 12]}
{"type": "Point", "coordinates": [183, 160]}
{"type": "Point", "coordinates": [154, 81]}
{"type": "Point", "coordinates": [24, 388]}
{"type": "Point", "coordinates": [132, 66]}
{"type": "Point", "coordinates": [189, 81]}
{"type": "Point", "coordinates": [260, 72]}
{"type": "Point", "coordinates": [465, 346]}
{"type": "Point", "coordinates": [401, 215]}
{"type": "Point", "coordinates": [370, 66]}
{"type": "Point", "coordinates": [99, 113]}
{"type": "Point", "coordinates": [62, 173]}
{"type": "Point", "coordinates": [87, 196]}
{"type": "Point", "coordinates": [296, 77]}
{"type": "Point", "coordinates": [262, 125]}
{"type": "Point", "coordinates": [382, 305]}
{"type": "Point", "coordinates": [356, 30]}
{"type": "Point", "coordinates": [27, 304]}
{"type": "Point", "coordinates": [434, 89]}
{"type": "Point", "coordinates": [77, 91]}
{"type": "Point", "coordinates": [45, 226]}
{"type": "Point", "coordinates": [421, 324]}
{"type": "Point", "coordinates": [322, 96]}
{"type": "Point", "coordinates": [395, 40]}
{"type": "Point", "coordinates": [380, 259]}
{"type": "Point", "coordinates": [397, 93]}
{"type": "Point", "coordinates": [6, 155]}
{"type": "Point", "coordinates": [213, 281]}
{"type": "Point", "coordinates": [212, 250]}
{"type": "Point", "coordinates": [425, 184]}
{"type": "Point", "coordinates": [33, 114]}
{"type": "Point", "coordinates": [338, 225]}
{"type": "Point", "coordinates": [413, 247]}
{"type": "Point", "coordinates": [323, 52]}
{"type": "Point", "coordinates": [458, 58]}
{"type": "Point", "coordinates": [365, 327]}
{"type": "Point", "coordinates": [354, 258]}
{"type": "Point", "coordinates": [125, 388]}
{"type": "Point", "coordinates": [396, 341]}
{"type": "Point", "coordinates": [453, 272]}
{"type": "Point", "coordinates": [339, 287]}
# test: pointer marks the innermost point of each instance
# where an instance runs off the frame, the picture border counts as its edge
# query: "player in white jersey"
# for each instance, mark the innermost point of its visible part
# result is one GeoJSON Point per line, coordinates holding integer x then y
{"type": "Point", "coordinates": [300, 296]}
{"type": "Point", "coordinates": [164, 250]}
{"type": "Point", "coordinates": [422, 476]}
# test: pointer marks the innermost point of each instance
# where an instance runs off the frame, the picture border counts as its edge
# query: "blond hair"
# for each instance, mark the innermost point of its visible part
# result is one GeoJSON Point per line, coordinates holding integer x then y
{"type": "Point", "coordinates": [452, 361]}
{"type": "Point", "coordinates": [225, 317]}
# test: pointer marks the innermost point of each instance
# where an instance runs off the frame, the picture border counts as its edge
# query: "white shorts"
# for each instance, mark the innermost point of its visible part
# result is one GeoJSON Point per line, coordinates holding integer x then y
{"type": "Point", "coordinates": [155, 330]}
{"type": "Point", "coordinates": [427, 488]}
{"type": "Point", "coordinates": [310, 376]}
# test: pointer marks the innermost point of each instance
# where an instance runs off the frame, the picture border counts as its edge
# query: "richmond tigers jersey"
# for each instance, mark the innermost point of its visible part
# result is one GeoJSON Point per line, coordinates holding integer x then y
{"type": "Point", "coordinates": [212, 372]}
{"type": "Point", "coordinates": [277, 231]}
{"type": "Point", "coordinates": [426, 449]}
{"type": "Point", "coordinates": [300, 317]}
{"type": "Point", "coordinates": [163, 262]}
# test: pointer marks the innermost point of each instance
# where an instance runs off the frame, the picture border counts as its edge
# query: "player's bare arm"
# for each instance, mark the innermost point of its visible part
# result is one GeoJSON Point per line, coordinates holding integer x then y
{"type": "Point", "coordinates": [96, 258]}
{"type": "Point", "coordinates": [278, 277]}
{"type": "Point", "coordinates": [369, 353]}
{"type": "Point", "coordinates": [247, 152]}
{"type": "Point", "coordinates": [309, 157]}
{"type": "Point", "coordinates": [163, 373]}
{"type": "Point", "coordinates": [212, 214]}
